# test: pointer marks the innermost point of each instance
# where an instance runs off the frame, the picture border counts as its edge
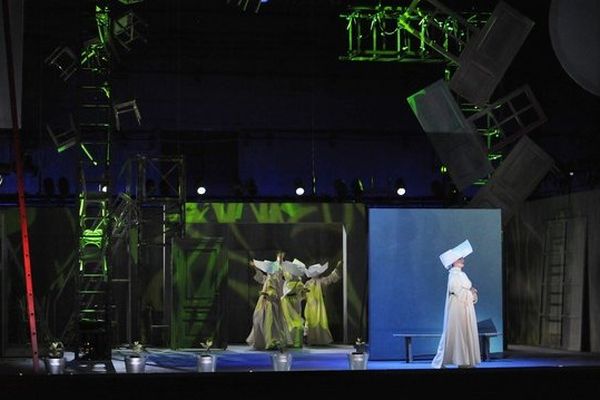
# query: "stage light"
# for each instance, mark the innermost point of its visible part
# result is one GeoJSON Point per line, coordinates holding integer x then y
{"type": "Point", "coordinates": [299, 185]}
{"type": "Point", "coordinates": [358, 188]}
{"type": "Point", "coordinates": [200, 188]}
{"type": "Point", "coordinates": [400, 187]}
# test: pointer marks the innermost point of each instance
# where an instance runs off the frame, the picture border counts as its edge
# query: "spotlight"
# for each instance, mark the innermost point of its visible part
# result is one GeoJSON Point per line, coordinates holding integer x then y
{"type": "Point", "coordinates": [299, 187]}
{"type": "Point", "coordinates": [400, 187]}
{"type": "Point", "coordinates": [200, 188]}
{"type": "Point", "coordinates": [358, 188]}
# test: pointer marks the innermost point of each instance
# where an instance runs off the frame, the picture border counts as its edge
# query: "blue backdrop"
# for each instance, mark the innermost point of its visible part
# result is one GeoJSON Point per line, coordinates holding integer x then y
{"type": "Point", "coordinates": [407, 281]}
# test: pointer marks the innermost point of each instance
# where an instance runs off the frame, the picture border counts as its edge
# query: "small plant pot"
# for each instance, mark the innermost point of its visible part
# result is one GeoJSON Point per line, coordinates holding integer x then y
{"type": "Point", "coordinates": [281, 361]}
{"type": "Point", "coordinates": [206, 363]}
{"type": "Point", "coordinates": [135, 364]}
{"type": "Point", "coordinates": [358, 360]}
{"type": "Point", "coordinates": [55, 365]}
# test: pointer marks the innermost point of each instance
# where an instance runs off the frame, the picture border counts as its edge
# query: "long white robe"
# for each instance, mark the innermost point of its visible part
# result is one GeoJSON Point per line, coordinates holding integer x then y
{"type": "Point", "coordinates": [291, 307]}
{"type": "Point", "coordinates": [459, 344]}
{"type": "Point", "coordinates": [317, 325]}
{"type": "Point", "coordinates": [268, 323]}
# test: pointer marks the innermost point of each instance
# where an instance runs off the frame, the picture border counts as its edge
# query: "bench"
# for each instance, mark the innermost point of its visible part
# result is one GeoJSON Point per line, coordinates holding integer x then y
{"type": "Point", "coordinates": [484, 340]}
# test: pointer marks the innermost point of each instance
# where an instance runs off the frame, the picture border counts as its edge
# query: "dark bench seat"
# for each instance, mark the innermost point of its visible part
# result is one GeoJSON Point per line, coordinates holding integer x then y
{"type": "Point", "coordinates": [484, 340]}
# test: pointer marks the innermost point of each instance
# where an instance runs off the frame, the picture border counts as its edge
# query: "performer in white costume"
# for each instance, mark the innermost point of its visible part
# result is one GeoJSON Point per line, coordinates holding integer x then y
{"type": "Point", "coordinates": [268, 322]}
{"type": "Point", "coordinates": [459, 344]}
{"type": "Point", "coordinates": [316, 327]}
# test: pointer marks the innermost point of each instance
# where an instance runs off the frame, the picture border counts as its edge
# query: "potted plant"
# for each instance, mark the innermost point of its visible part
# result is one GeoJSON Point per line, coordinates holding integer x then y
{"type": "Point", "coordinates": [282, 359]}
{"type": "Point", "coordinates": [55, 361]}
{"type": "Point", "coordinates": [206, 361]}
{"type": "Point", "coordinates": [135, 362]}
{"type": "Point", "coordinates": [359, 357]}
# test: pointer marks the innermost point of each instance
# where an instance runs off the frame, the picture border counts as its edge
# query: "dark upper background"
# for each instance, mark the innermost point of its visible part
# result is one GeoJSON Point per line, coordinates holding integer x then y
{"type": "Point", "coordinates": [264, 95]}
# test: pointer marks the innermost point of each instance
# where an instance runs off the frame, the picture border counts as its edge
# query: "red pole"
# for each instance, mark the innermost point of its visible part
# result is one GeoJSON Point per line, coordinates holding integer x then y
{"type": "Point", "coordinates": [20, 189]}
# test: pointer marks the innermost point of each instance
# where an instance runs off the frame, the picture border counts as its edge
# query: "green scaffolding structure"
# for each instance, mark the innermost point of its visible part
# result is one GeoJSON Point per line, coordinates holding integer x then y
{"type": "Point", "coordinates": [429, 32]}
{"type": "Point", "coordinates": [94, 192]}
{"type": "Point", "coordinates": [425, 34]}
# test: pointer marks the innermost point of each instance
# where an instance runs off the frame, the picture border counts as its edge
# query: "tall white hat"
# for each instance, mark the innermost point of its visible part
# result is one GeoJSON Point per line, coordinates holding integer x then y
{"type": "Point", "coordinates": [462, 250]}
{"type": "Point", "coordinates": [266, 266]}
{"type": "Point", "coordinates": [316, 269]}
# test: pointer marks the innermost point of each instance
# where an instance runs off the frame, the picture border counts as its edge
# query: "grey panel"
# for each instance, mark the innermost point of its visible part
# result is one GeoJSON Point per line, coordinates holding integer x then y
{"type": "Point", "coordinates": [488, 54]}
{"type": "Point", "coordinates": [453, 137]}
{"type": "Point", "coordinates": [515, 179]}
{"type": "Point", "coordinates": [513, 115]}
{"type": "Point", "coordinates": [573, 283]}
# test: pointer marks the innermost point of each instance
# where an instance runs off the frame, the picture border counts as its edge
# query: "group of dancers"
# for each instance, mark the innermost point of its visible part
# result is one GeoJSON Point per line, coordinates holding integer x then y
{"type": "Point", "coordinates": [279, 318]}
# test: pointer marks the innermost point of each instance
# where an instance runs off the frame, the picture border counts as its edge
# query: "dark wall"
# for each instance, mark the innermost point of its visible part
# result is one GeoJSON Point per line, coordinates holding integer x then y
{"type": "Point", "coordinates": [526, 252]}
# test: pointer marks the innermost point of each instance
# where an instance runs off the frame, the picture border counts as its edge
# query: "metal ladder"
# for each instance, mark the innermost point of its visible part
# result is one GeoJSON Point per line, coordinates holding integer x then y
{"type": "Point", "coordinates": [161, 217]}
{"type": "Point", "coordinates": [95, 117]}
{"type": "Point", "coordinates": [553, 280]}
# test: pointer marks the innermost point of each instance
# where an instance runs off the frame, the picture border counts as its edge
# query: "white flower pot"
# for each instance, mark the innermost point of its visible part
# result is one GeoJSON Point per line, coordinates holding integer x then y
{"type": "Point", "coordinates": [281, 361]}
{"type": "Point", "coordinates": [206, 363]}
{"type": "Point", "coordinates": [55, 365]}
{"type": "Point", "coordinates": [358, 360]}
{"type": "Point", "coordinates": [135, 364]}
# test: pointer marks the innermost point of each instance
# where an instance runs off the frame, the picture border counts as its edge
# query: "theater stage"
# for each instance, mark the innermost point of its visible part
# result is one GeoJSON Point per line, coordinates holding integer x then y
{"type": "Point", "coordinates": [243, 371]}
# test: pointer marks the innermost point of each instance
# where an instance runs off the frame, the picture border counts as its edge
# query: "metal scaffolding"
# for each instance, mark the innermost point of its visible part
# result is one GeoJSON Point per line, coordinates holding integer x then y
{"type": "Point", "coordinates": [94, 197]}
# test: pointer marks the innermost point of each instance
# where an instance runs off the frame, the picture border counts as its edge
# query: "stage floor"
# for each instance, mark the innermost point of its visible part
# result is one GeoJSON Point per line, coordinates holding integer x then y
{"type": "Point", "coordinates": [520, 371]}
{"type": "Point", "coordinates": [242, 358]}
